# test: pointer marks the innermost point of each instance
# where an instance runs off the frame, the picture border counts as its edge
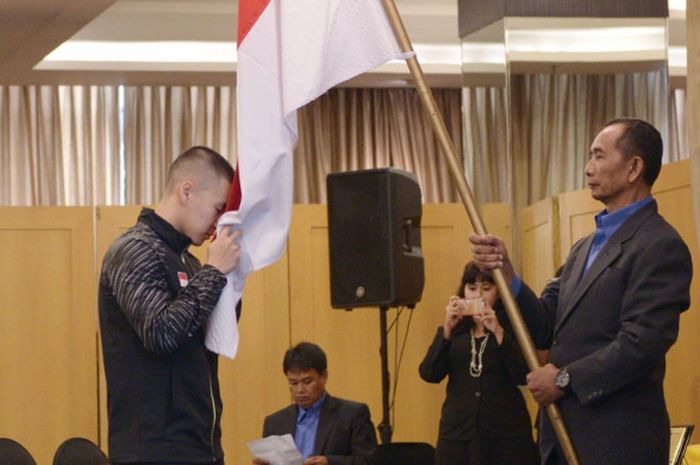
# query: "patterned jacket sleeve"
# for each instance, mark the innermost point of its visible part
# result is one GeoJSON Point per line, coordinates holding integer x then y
{"type": "Point", "coordinates": [139, 284]}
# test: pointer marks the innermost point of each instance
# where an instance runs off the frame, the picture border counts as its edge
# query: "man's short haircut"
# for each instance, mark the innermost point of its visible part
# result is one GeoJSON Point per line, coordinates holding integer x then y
{"type": "Point", "coordinates": [195, 158]}
{"type": "Point", "coordinates": [305, 356]}
{"type": "Point", "coordinates": [641, 138]}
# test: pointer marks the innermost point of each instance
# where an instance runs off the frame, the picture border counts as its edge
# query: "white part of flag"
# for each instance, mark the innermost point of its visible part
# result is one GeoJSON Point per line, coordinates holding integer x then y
{"type": "Point", "coordinates": [294, 52]}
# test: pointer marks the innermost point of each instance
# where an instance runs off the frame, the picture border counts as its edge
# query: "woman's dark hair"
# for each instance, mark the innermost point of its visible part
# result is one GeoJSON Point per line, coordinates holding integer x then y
{"type": "Point", "coordinates": [305, 356]}
{"type": "Point", "coordinates": [472, 274]}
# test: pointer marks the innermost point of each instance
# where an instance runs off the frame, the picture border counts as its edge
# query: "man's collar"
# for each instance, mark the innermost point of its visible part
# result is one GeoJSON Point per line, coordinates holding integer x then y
{"type": "Point", "coordinates": [174, 238]}
{"type": "Point", "coordinates": [315, 407]}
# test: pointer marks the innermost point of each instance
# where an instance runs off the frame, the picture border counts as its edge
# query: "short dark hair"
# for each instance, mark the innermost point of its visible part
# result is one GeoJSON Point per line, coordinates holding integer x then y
{"type": "Point", "coordinates": [198, 154]}
{"type": "Point", "coordinates": [305, 356]}
{"type": "Point", "coordinates": [472, 274]}
{"type": "Point", "coordinates": [643, 139]}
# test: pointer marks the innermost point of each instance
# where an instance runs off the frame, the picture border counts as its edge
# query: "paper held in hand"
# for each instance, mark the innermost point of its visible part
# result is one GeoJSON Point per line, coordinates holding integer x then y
{"type": "Point", "coordinates": [276, 450]}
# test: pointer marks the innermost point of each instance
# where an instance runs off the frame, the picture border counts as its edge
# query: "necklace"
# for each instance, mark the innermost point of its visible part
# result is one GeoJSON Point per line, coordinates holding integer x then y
{"type": "Point", "coordinates": [476, 364]}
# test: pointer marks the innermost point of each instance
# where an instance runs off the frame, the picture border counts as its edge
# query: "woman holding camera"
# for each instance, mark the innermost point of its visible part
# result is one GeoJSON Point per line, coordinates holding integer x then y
{"type": "Point", "coordinates": [484, 420]}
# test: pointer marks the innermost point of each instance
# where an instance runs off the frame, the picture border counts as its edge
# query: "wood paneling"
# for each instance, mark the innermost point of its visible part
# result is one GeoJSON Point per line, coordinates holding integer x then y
{"type": "Point", "coordinates": [576, 219]}
{"type": "Point", "coordinates": [539, 225]}
{"type": "Point", "coordinates": [48, 327]}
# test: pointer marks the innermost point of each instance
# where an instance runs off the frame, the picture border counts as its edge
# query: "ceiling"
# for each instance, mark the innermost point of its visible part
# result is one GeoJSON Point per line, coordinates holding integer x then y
{"type": "Point", "coordinates": [146, 42]}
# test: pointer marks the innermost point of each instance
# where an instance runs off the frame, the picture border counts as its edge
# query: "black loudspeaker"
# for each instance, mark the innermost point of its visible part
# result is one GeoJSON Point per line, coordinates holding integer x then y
{"type": "Point", "coordinates": [374, 238]}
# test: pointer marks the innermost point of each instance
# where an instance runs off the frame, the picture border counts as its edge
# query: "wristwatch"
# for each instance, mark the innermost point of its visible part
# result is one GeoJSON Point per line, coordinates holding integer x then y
{"type": "Point", "coordinates": [563, 379]}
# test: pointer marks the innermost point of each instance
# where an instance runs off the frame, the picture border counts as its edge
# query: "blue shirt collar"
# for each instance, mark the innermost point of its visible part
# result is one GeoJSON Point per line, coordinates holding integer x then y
{"type": "Point", "coordinates": [608, 223]}
{"type": "Point", "coordinates": [313, 410]}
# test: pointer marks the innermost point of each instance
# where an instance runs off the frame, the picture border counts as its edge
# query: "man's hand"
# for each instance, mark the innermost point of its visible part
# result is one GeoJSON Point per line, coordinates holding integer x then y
{"type": "Point", "coordinates": [490, 253]}
{"type": "Point", "coordinates": [224, 251]}
{"type": "Point", "coordinates": [316, 460]}
{"type": "Point", "coordinates": [541, 384]}
{"type": "Point", "coordinates": [257, 461]}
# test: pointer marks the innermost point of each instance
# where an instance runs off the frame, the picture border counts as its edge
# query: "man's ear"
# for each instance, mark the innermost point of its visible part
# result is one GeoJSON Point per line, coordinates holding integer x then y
{"type": "Point", "coordinates": [185, 191]}
{"type": "Point", "coordinates": [636, 169]}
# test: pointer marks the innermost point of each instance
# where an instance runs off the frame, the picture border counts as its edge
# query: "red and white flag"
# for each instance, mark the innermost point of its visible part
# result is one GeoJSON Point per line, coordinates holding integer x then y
{"type": "Point", "coordinates": [289, 53]}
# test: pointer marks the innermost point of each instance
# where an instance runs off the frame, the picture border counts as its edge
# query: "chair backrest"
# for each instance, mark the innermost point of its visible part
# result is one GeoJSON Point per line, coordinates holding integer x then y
{"type": "Point", "coordinates": [79, 451]}
{"type": "Point", "coordinates": [404, 453]}
{"type": "Point", "coordinates": [13, 453]}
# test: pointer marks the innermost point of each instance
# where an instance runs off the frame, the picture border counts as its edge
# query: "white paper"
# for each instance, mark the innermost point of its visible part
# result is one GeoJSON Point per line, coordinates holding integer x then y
{"type": "Point", "coordinates": [276, 450]}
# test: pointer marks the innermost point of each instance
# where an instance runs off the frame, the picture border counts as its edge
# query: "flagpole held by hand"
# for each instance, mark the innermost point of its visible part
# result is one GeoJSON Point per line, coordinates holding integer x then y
{"type": "Point", "coordinates": [438, 124]}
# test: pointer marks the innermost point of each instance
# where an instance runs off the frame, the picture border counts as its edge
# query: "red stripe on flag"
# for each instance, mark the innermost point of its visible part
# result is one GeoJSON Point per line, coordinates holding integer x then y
{"type": "Point", "coordinates": [234, 194]}
{"type": "Point", "coordinates": [248, 13]}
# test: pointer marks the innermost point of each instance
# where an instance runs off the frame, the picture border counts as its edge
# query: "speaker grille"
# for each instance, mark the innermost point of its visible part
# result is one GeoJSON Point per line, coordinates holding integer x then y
{"type": "Point", "coordinates": [374, 238]}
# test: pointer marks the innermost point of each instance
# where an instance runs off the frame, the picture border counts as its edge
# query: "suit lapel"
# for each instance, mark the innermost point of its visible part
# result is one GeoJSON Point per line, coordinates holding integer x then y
{"type": "Point", "coordinates": [290, 419]}
{"type": "Point", "coordinates": [326, 421]}
{"type": "Point", "coordinates": [568, 287]}
{"type": "Point", "coordinates": [607, 255]}
{"type": "Point", "coordinates": [577, 286]}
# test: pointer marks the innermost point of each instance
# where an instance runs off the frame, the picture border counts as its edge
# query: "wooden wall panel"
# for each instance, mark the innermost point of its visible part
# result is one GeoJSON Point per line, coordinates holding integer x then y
{"type": "Point", "coordinates": [351, 339]}
{"type": "Point", "coordinates": [251, 385]}
{"type": "Point", "coordinates": [48, 351]}
{"type": "Point", "coordinates": [540, 238]}
{"type": "Point", "coordinates": [577, 210]}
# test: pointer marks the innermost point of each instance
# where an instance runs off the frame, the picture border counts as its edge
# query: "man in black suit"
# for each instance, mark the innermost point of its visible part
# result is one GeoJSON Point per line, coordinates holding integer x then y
{"type": "Point", "coordinates": [327, 430]}
{"type": "Point", "coordinates": [614, 313]}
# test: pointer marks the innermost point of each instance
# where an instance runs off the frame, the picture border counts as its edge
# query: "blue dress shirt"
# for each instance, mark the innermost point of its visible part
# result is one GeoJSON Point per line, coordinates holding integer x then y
{"type": "Point", "coordinates": [307, 424]}
{"type": "Point", "coordinates": [606, 225]}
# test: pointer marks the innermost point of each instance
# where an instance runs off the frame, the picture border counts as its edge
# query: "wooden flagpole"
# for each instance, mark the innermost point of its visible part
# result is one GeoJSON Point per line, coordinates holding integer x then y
{"type": "Point", "coordinates": [438, 124]}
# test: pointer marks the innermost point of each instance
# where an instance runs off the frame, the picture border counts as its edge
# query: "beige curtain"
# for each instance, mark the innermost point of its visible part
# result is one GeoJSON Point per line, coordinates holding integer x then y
{"type": "Point", "coordinates": [677, 148]}
{"type": "Point", "coordinates": [160, 122]}
{"type": "Point", "coordinates": [351, 129]}
{"type": "Point", "coordinates": [488, 166]}
{"type": "Point", "coordinates": [556, 116]}
{"type": "Point", "coordinates": [59, 145]}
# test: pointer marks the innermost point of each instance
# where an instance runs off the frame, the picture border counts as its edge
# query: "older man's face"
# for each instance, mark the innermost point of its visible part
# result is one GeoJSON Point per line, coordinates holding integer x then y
{"type": "Point", "coordinates": [608, 170]}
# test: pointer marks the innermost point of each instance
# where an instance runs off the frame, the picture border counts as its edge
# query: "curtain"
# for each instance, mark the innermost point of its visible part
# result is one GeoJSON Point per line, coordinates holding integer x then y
{"type": "Point", "coordinates": [487, 165]}
{"type": "Point", "coordinates": [351, 129]}
{"type": "Point", "coordinates": [556, 116]}
{"type": "Point", "coordinates": [677, 148]}
{"type": "Point", "coordinates": [161, 122]}
{"type": "Point", "coordinates": [58, 145]}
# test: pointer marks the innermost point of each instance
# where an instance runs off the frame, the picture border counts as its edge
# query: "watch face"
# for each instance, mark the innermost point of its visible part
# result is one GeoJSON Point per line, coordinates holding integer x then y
{"type": "Point", "coordinates": [562, 379]}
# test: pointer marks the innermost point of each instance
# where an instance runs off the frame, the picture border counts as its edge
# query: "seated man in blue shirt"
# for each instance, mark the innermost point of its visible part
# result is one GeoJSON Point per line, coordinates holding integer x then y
{"type": "Point", "coordinates": [327, 430]}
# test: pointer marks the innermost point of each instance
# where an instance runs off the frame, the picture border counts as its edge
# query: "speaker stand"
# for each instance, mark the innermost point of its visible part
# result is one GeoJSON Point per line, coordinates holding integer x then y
{"type": "Point", "coordinates": [385, 429]}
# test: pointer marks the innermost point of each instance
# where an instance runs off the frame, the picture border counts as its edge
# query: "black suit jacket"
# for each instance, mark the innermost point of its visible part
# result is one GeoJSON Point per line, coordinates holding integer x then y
{"type": "Point", "coordinates": [611, 327]}
{"type": "Point", "coordinates": [345, 433]}
{"type": "Point", "coordinates": [492, 403]}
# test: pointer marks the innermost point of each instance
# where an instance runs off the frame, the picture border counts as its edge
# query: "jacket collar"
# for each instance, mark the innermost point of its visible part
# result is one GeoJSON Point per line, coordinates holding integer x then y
{"type": "Point", "coordinates": [171, 236]}
{"type": "Point", "coordinates": [575, 288]}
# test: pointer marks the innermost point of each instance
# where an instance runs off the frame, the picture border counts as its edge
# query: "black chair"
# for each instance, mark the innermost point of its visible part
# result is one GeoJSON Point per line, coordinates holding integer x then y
{"type": "Point", "coordinates": [79, 451]}
{"type": "Point", "coordinates": [404, 453]}
{"type": "Point", "coordinates": [13, 453]}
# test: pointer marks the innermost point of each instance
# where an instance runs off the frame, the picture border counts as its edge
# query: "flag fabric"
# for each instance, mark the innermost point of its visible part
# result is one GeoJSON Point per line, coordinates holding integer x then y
{"type": "Point", "coordinates": [289, 53]}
